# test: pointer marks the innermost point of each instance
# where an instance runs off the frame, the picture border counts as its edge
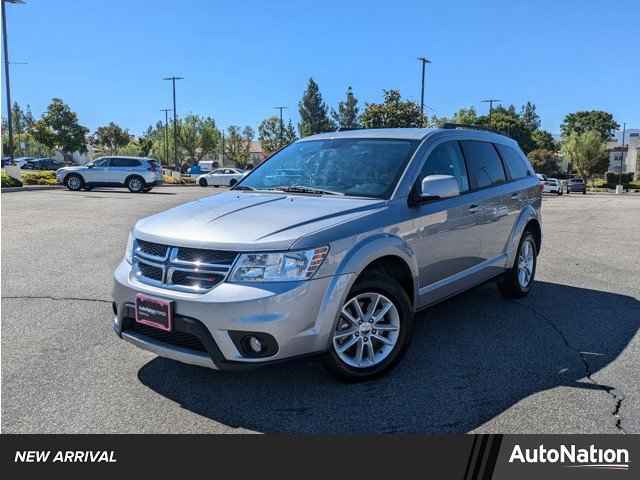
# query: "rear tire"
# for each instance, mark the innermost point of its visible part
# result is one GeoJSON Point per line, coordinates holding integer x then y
{"type": "Point", "coordinates": [518, 281]}
{"type": "Point", "coordinates": [376, 345]}
{"type": "Point", "coordinates": [74, 182]}
{"type": "Point", "coordinates": [135, 184]}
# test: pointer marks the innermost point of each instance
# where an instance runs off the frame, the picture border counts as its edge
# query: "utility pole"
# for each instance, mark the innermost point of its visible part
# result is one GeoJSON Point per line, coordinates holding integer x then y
{"type": "Point", "coordinates": [490, 101]}
{"type": "Point", "coordinates": [166, 133]}
{"type": "Point", "coordinates": [175, 122]}
{"type": "Point", "coordinates": [222, 155]}
{"type": "Point", "coordinates": [6, 75]}
{"type": "Point", "coordinates": [624, 131]}
{"type": "Point", "coordinates": [424, 62]}
{"type": "Point", "coordinates": [281, 124]}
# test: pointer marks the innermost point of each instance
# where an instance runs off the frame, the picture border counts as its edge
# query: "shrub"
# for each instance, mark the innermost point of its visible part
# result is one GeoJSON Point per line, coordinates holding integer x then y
{"type": "Point", "coordinates": [39, 178]}
{"type": "Point", "coordinates": [8, 181]}
{"type": "Point", "coordinates": [614, 178]}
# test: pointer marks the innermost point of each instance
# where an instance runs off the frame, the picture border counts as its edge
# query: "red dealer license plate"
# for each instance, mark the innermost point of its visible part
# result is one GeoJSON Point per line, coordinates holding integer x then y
{"type": "Point", "coordinates": [155, 312]}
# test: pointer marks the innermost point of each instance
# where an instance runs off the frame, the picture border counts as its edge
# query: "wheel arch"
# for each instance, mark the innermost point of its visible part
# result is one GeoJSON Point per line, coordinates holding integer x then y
{"type": "Point", "coordinates": [529, 219]}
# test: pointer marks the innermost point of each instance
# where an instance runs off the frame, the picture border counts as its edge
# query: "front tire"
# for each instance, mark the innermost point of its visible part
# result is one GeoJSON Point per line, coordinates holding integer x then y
{"type": "Point", "coordinates": [518, 281]}
{"type": "Point", "coordinates": [203, 182]}
{"type": "Point", "coordinates": [135, 184]}
{"type": "Point", "coordinates": [372, 331]}
{"type": "Point", "coordinates": [232, 182]}
{"type": "Point", "coordinates": [74, 182]}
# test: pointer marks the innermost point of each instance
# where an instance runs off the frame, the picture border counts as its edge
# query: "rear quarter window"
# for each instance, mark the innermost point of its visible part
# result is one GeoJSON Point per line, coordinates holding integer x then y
{"type": "Point", "coordinates": [483, 164]}
{"type": "Point", "coordinates": [514, 161]}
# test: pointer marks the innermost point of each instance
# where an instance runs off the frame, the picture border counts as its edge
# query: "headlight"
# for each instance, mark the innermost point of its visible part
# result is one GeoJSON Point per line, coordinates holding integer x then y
{"type": "Point", "coordinates": [278, 267]}
{"type": "Point", "coordinates": [128, 254]}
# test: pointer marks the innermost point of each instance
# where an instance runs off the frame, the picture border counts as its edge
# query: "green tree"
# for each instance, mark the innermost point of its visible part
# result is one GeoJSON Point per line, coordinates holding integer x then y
{"type": "Point", "coordinates": [544, 161]}
{"type": "Point", "coordinates": [347, 114]}
{"type": "Point", "coordinates": [508, 122]}
{"type": "Point", "coordinates": [269, 135]}
{"type": "Point", "coordinates": [544, 140]}
{"type": "Point", "coordinates": [587, 153]}
{"type": "Point", "coordinates": [313, 112]}
{"type": "Point", "coordinates": [238, 144]}
{"type": "Point", "coordinates": [582, 122]}
{"type": "Point", "coordinates": [392, 113]}
{"type": "Point", "coordinates": [59, 129]}
{"type": "Point", "coordinates": [198, 136]}
{"type": "Point", "coordinates": [110, 139]}
{"type": "Point", "coordinates": [466, 116]}
{"type": "Point", "coordinates": [530, 117]}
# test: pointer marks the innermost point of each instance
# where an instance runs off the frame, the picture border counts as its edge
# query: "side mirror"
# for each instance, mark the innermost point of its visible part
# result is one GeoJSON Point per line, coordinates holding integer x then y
{"type": "Point", "coordinates": [438, 186]}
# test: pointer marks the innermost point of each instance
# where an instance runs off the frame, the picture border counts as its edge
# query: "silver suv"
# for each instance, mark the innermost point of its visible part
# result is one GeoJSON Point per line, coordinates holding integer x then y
{"type": "Point", "coordinates": [138, 174]}
{"type": "Point", "coordinates": [330, 247]}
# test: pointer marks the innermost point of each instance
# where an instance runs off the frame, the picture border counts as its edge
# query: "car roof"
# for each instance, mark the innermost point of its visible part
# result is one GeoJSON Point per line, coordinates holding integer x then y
{"type": "Point", "coordinates": [126, 156]}
{"type": "Point", "coordinates": [413, 134]}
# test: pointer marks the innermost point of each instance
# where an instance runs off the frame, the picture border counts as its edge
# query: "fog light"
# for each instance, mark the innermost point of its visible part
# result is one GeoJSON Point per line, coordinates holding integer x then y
{"type": "Point", "coordinates": [255, 344]}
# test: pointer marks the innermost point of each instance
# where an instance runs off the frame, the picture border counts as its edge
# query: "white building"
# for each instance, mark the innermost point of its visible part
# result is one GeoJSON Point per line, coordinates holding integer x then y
{"type": "Point", "coordinates": [625, 158]}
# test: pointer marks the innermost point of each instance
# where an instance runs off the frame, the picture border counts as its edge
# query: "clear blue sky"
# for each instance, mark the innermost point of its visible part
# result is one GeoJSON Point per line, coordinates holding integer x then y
{"type": "Point", "coordinates": [106, 58]}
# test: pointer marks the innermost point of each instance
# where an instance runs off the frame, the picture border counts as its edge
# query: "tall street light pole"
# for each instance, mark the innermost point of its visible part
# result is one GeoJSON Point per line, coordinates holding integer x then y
{"type": "Point", "coordinates": [424, 62]}
{"type": "Point", "coordinates": [6, 74]}
{"type": "Point", "coordinates": [175, 122]}
{"type": "Point", "coordinates": [624, 131]}
{"type": "Point", "coordinates": [281, 124]}
{"type": "Point", "coordinates": [490, 101]}
{"type": "Point", "coordinates": [166, 133]}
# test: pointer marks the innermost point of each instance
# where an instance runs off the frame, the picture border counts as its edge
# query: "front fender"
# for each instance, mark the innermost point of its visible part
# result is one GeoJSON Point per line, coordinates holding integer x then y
{"type": "Point", "coordinates": [370, 249]}
{"type": "Point", "coordinates": [528, 213]}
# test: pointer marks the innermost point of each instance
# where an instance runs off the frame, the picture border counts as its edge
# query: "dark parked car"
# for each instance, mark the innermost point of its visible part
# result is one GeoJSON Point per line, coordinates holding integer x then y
{"type": "Point", "coordinates": [43, 164]}
{"type": "Point", "coordinates": [576, 185]}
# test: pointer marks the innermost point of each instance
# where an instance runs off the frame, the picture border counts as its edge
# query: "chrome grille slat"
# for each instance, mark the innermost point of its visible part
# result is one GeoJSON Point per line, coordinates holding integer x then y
{"type": "Point", "coordinates": [181, 267]}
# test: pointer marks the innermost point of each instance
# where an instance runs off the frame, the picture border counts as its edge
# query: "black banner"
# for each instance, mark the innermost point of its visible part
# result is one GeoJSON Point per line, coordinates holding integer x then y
{"type": "Point", "coordinates": [464, 457]}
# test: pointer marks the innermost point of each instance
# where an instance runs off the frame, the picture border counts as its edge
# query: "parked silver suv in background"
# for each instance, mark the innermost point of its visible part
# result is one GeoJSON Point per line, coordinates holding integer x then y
{"type": "Point", "coordinates": [138, 174]}
{"type": "Point", "coordinates": [330, 247]}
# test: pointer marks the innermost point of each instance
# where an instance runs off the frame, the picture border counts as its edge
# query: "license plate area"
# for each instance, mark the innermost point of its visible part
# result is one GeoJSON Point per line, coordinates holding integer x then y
{"type": "Point", "coordinates": [155, 312]}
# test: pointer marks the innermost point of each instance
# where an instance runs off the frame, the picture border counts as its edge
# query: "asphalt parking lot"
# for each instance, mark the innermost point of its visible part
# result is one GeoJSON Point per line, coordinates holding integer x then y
{"type": "Point", "coordinates": [565, 359]}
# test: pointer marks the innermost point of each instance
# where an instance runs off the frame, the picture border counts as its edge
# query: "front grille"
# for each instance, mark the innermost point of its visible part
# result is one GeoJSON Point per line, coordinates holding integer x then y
{"type": "Point", "coordinates": [197, 255]}
{"type": "Point", "coordinates": [196, 280]}
{"type": "Point", "coordinates": [193, 270]}
{"type": "Point", "coordinates": [149, 271]}
{"type": "Point", "coordinates": [151, 249]}
{"type": "Point", "coordinates": [174, 338]}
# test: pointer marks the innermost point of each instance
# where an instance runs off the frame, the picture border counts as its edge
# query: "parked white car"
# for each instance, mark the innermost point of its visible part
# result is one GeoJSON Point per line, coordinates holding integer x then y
{"type": "Point", "coordinates": [552, 185]}
{"type": "Point", "coordinates": [221, 176]}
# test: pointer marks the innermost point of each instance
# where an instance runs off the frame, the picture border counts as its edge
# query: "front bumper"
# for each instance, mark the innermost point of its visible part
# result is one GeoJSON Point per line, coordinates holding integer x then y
{"type": "Point", "coordinates": [300, 316]}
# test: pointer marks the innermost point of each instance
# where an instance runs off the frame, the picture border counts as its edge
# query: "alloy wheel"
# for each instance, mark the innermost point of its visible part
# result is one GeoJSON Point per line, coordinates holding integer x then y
{"type": "Point", "coordinates": [367, 330]}
{"type": "Point", "coordinates": [525, 263]}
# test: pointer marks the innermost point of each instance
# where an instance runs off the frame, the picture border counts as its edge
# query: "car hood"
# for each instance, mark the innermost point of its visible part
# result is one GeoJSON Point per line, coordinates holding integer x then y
{"type": "Point", "coordinates": [71, 169]}
{"type": "Point", "coordinates": [251, 221]}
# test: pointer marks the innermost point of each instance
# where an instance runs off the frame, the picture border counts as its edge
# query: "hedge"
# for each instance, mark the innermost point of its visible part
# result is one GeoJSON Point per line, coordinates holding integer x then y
{"type": "Point", "coordinates": [39, 178]}
{"type": "Point", "coordinates": [8, 181]}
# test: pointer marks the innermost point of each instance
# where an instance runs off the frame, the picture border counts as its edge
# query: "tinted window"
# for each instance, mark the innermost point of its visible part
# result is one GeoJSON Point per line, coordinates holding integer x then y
{"type": "Point", "coordinates": [516, 165]}
{"type": "Point", "coordinates": [485, 167]}
{"type": "Point", "coordinates": [103, 162]}
{"type": "Point", "coordinates": [218, 172]}
{"type": "Point", "coordinates": [124, 162]}
{"type": "Point", "coordinates": [447, 159]}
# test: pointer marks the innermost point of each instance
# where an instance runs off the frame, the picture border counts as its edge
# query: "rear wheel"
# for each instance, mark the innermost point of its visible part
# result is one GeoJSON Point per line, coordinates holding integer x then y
{"type": "Point", "coordinates": [135, 184]}
{"type": "Point", "coordinates": [74, 182]}
{"type": "Point", "coordinates": [372, 331]}
{"type": "Point", "coordinates": [517, 282]}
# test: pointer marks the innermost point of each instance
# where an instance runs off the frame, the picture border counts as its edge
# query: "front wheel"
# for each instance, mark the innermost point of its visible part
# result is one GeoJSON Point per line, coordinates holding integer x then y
{"type": "Point", "coordinates": [233, 182]}
{"type": "Point", "coordinates": [517, 282]}
{"type": "Point", "coordinates": [74, 182]}
{"type": "Point", "coordinates": [372, 331]}
{"type": "Point", "coordinates": [202, 182]}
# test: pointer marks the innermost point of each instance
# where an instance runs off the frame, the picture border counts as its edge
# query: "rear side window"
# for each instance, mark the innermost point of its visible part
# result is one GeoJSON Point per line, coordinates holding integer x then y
{"type": "Point", "coordinates": [485, 167]}
{"type": "Point", "coordinates": [514, 162]}
{"type": "Point", "coordinates": [124, 162]}
{"type": "Point", "coordinates": [447, 159]}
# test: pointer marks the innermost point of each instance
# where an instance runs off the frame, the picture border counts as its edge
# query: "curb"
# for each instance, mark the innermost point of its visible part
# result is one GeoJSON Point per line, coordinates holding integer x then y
{"type": "Point", "coordinates": [29, 188]}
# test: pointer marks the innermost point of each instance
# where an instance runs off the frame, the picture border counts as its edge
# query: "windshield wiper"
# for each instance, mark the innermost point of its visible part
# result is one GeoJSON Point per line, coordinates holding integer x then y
{"type": "Point", "coordinates": [243, 187]}
{"type": "Point", "coordinates": [311, 190]}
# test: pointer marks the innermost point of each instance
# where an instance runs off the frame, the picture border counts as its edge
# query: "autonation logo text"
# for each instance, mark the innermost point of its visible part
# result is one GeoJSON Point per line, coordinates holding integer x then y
{"type": "Point", "coordinates": [574, 457]}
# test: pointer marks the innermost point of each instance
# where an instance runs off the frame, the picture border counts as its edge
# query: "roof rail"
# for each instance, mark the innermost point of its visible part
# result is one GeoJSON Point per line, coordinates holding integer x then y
{"type": "Point", "coordinates": [343, 129]}
{"type": "Point", "coordinates": [449, 125]}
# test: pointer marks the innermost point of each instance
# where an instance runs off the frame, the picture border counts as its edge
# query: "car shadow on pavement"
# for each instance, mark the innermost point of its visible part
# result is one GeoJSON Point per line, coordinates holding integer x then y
{"type": "Point", "coordinates": [472, 357]}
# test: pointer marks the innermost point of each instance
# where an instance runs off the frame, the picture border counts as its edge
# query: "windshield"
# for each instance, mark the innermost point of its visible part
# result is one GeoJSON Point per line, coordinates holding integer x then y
{"type": "Point", "coordinates": [356, 167]}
